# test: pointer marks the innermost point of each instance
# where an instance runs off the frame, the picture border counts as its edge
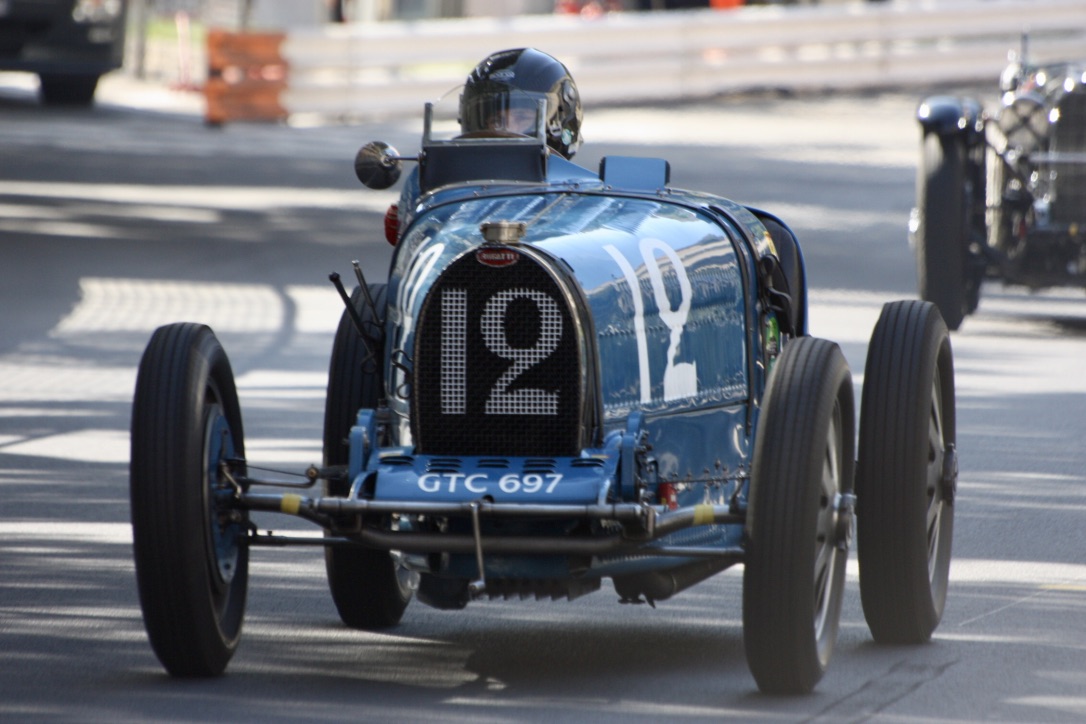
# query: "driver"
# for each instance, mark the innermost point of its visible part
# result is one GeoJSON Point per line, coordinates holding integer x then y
{"type": "Point", "coordinates": [520, 120]}
{"type": "Point", "coordinates": [502, 95]}
{"type": "Point", "coordinates": [503, 92]}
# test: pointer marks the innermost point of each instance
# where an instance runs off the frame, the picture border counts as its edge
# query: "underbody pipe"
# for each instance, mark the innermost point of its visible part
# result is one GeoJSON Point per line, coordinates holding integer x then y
{"type": "Point", "coordinates": [413, 542]}
{"type": "Point", "coordinates": [503, 545]}
{"type": "Point", "coordinates": [661, 585]}
{"type": "Point", "coordinates": [294, 504]}
{"type": "Point", "coordinates": [695, 515]}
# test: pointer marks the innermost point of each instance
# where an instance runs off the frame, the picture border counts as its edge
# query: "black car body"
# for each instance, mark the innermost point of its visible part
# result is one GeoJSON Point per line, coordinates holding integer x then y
{"type": "Point", "coordinates": [70, 44]}
{"type": "Point", "coordinates": [1002, 195]}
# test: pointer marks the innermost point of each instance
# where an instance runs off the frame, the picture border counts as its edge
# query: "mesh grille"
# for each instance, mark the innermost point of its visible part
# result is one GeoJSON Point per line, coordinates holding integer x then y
{"type": "Point", "coordinates": [497, 368]}
{"type": "Point", "coordinates": [1070, 137]}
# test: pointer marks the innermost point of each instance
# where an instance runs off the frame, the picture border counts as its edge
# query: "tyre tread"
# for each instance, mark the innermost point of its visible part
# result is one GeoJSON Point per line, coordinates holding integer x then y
{"type": "Point", "coordinates": [909, 342]}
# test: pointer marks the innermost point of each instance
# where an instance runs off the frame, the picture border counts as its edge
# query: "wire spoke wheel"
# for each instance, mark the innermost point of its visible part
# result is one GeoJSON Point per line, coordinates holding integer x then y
{"type": "Point", "coordinates": [939, 511]}
{"type": "Point", "coordinates": [828, 559]}
{"type": "Point", "coordinates": [799, 519]}
{"type": "Point", "coordinates": [907, 480]}
{"type": "Point", "coordinates": [192, 564]}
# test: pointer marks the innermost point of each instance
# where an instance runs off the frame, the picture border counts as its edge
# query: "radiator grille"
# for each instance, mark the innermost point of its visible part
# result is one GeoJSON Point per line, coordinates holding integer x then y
{"type": "Point", "coordinates": [1069, 136]}
{"type": "Point", "coordinates": [497, 365]}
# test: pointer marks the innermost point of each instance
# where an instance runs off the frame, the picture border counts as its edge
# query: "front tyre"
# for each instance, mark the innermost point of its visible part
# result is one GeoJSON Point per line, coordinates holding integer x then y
{"type": "Point", "coordinates": [369, 587]}
{"type": "Point", "coordinates": [907, 477]}
{"type": "Point", "coordinates": [942, 237]}
{"type": "Point", "coordinates": [799, 520]}
{"type": "Point", "coordinates": [192, 564]}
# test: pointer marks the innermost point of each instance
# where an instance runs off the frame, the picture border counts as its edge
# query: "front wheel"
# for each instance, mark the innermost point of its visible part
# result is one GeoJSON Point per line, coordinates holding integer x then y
{"type": "Point", "coordinates": [192, 564]}
{"type": "Point", "coordinates": [799, 521]}
{"type": "Point", "coordinates": [942, 235]}
{"type": "Point", "coordinates": [907, 477]}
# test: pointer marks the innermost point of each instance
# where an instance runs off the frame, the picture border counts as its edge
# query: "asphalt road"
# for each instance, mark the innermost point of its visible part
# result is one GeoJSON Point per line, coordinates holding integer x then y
{"type": "Point", "coordinates": [116, 220]}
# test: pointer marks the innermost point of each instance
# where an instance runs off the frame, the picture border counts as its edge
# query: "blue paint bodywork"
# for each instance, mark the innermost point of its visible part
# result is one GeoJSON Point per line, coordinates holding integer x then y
{"type": "Point", "coordinates": [673, 286]}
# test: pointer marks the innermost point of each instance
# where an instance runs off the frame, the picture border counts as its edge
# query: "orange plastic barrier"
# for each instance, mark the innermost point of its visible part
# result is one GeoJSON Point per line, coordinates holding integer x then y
{"type": "Point", "coordinates": [246, 74]}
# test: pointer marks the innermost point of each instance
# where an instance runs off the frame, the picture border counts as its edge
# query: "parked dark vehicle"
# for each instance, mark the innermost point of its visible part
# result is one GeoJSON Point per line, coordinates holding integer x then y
{"type": "Point", "coordinates": [1002, 195]}
{"type": "Point", "coordinates": [70, 44]}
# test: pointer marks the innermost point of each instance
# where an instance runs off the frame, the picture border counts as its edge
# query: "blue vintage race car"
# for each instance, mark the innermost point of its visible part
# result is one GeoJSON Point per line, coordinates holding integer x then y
{"type": "Point", "coordinates": [567, 378]}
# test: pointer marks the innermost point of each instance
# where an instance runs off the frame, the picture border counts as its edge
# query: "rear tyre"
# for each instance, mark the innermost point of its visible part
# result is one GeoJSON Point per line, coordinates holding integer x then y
{"type": "Point", "coordinates": [192, 564]}
{"type": "Point", "coordinates": [907, 476]}
{"type": "Point", "coordinates": [799, 520]}
{"type": "Point", "coordinates": [67, 89]}
{"type": "Point", "coordinates": [369, 587]}
{"type": "Point", "coordinates": [942, 235]}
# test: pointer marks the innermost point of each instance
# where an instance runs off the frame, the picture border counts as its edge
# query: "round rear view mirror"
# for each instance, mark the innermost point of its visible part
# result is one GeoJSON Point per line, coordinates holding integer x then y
{"type": "Point", "coordinates": [377, 165]}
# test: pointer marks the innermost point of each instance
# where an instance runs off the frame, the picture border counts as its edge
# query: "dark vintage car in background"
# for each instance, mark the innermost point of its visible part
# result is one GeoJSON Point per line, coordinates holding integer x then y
{"type": "Point", "coordinates": [69, 44]}
{"type": "Point", "coordinates": [1001, 194]}
{"type": "Point", "coordinates": [562, 381]}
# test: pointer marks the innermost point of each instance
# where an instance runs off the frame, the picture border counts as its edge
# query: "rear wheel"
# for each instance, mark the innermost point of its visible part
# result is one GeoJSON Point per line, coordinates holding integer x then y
{"type": "Point", "coordinates": [942, 235]}
{"type": "Point", "coordinates": [192, 564]}
{"type": "Point", "coordinates": [907, 477]}
{"type": "Point", "coordinates": [369, 587]}
{"type": "Point", "coordinates": [799, 520]}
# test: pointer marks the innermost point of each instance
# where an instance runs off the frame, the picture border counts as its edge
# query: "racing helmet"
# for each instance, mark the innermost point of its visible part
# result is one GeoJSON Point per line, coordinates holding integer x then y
{"type": "Point", "coordinates": [503, 92]}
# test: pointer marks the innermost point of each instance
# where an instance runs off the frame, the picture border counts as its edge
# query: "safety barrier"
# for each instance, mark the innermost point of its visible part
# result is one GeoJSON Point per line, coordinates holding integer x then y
{"type": "Point", "coordinates": [246, 76]}
{"type": "Point", "coordinates": [360, 71]}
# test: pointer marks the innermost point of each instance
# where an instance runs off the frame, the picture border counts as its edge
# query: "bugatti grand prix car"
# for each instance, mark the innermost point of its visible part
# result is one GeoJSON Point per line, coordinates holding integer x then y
{"type": "Point", "coordinates": [564, 381]}
{"type": "Point", "coordinates": [1002, 195]}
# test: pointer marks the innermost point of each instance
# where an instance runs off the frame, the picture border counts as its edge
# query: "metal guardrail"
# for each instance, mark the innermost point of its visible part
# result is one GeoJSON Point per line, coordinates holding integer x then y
{"type": "Point", "coordinates": [390, 69]}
